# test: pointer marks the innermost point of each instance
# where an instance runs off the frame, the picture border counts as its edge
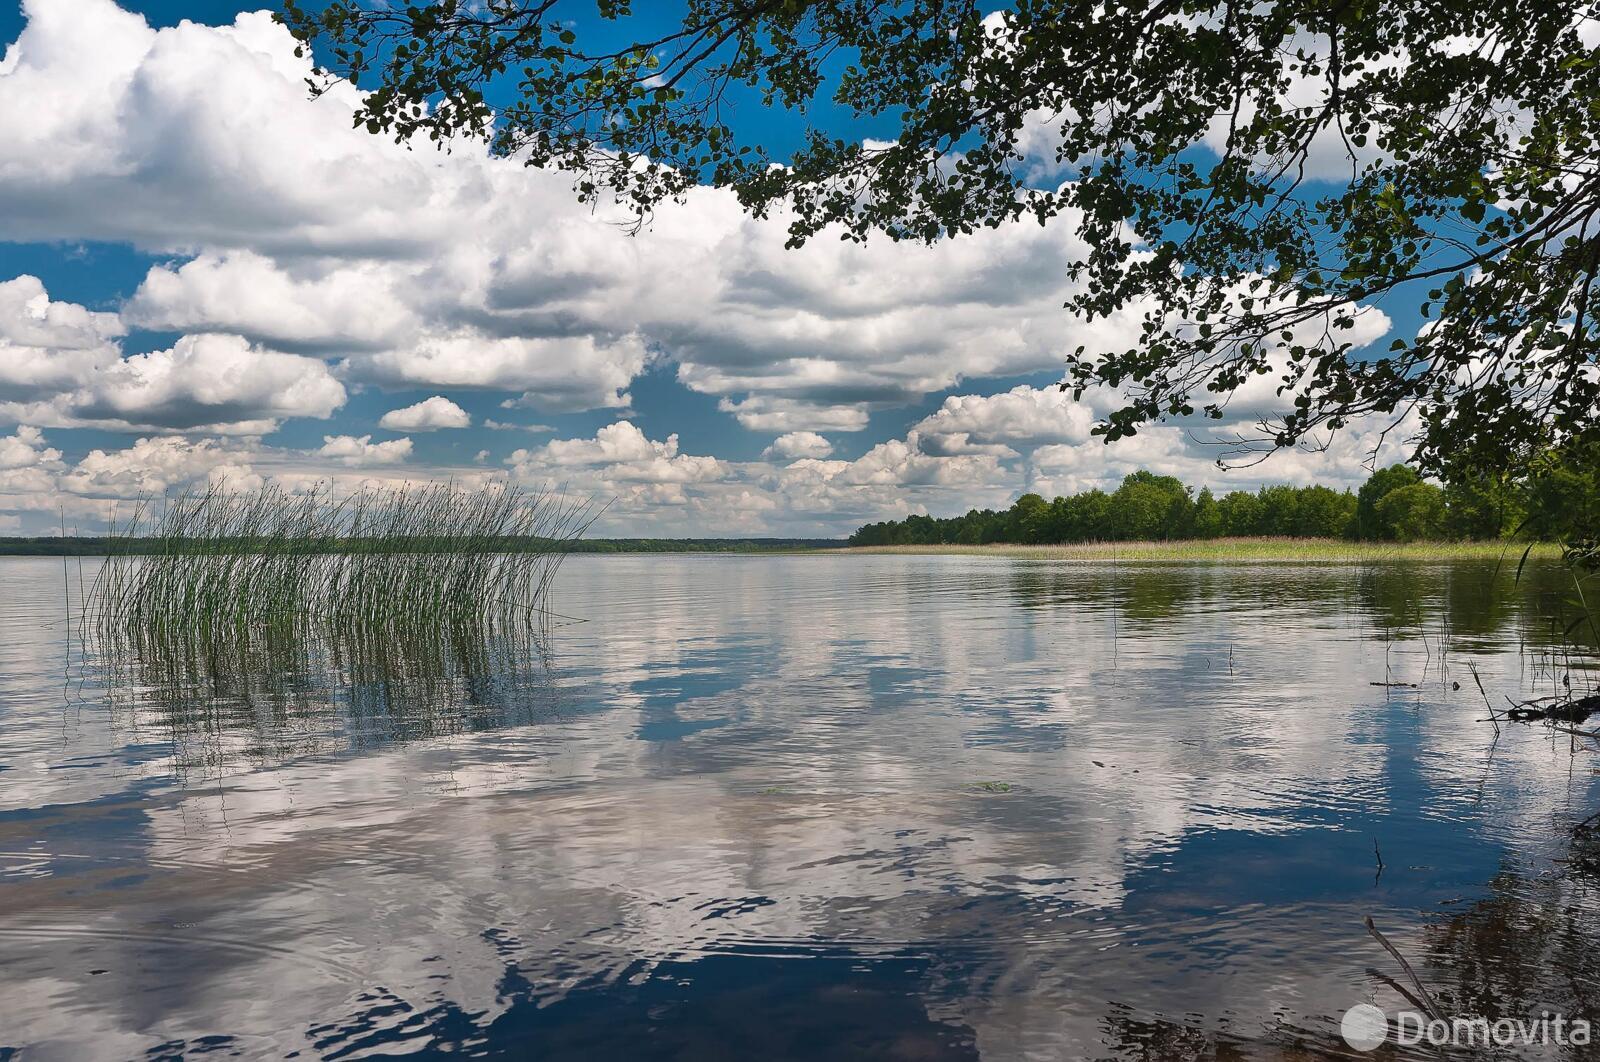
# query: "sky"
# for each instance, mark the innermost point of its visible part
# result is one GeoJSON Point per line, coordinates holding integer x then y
{"type": "Point", "coordinates": [206, 275]}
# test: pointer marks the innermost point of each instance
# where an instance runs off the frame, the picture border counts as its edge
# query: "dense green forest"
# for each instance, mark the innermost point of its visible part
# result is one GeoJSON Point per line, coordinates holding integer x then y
{"type": "Point", "coordinates": [1396, 504]}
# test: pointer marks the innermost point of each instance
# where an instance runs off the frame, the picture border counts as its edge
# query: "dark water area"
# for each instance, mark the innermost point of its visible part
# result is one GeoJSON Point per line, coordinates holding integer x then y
{"type": "Point", "coordinates": [806, 807]}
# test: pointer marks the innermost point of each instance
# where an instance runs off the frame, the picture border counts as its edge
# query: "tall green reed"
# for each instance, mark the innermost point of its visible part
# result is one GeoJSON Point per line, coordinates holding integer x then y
{"type": "Point", "coordinates": [216, 563]}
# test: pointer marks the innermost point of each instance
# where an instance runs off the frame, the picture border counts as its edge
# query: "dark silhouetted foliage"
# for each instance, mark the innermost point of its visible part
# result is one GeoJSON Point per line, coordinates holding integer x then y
{"type": "Point", "coordinates": [1249, 179]}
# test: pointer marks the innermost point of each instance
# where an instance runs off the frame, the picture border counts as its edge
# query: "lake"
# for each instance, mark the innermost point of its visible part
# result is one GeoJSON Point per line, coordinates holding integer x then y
{"type": "Point", "coordinates": [831, 806]}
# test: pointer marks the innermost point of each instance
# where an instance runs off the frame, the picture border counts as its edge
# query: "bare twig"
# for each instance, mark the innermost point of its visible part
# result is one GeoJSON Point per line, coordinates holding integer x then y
{"type": "Point", "coordinates": [1428, 1004]}
{"type": "Point", "coordinates": [1473, 667]}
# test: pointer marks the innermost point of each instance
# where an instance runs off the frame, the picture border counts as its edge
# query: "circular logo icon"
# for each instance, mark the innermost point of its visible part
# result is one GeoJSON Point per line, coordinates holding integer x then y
{"type": "Point", "coordinates": [1364, 1027]}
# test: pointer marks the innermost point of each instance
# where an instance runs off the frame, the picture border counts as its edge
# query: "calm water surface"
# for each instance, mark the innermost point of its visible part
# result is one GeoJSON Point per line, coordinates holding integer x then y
{"type": "Point", "coordinates": [810, 806]}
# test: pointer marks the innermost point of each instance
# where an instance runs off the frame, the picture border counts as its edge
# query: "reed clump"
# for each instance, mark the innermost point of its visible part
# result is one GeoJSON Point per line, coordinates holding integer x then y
{"type": "Point", "coordinates": [216, 562]}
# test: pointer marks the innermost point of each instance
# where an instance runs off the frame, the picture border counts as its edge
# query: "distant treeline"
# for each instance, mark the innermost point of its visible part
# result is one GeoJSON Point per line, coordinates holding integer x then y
{"type": "Point", "coordinates": [1551, 502]}
{"type": "Point", "coordinates": [99, 546]}
{"type": "Point", "coordinates": [703, 545]}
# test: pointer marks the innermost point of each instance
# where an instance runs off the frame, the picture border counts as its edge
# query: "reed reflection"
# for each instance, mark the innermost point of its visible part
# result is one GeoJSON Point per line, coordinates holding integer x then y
{"type": "Point", "coordinates": [246, 697]}
{"type": "Point", "coordinates": [263, 625]}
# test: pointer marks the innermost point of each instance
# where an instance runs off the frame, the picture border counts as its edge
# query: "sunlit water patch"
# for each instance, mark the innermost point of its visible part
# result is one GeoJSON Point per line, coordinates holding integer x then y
{"type": "Point", "coordinates": [811, 806]}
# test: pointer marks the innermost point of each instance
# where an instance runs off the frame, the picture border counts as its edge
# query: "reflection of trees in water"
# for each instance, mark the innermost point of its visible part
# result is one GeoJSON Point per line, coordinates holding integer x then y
{"type": "Point", "coordinates": [1535, 606]}
{"type": "Point", "coordinates": [1528, 949]}
{"type": "Point", "coordinates": [1531, 945]}
{"type": "Point", "coordinates": [1151, 592]}
{"type": "Point", "coordinates": [243, 696]}
{"type": "Point", "coordinates": [1137, 591]}
{"type": "Point", "coordinates": [1146, 594]}
{"type": "Point", "coordinates": [1473, 604]}
{"type": "Point", "coordinates": [1046, 587]}
{"type": "Point", "coordinates": [1129, 1036]}
{"type": "Point", "coordinates": [1400, 600]}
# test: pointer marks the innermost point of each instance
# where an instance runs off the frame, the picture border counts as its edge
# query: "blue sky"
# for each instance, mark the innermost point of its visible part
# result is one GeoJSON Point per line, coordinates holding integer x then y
{"type": "Point", "coordinates": [205, 274]}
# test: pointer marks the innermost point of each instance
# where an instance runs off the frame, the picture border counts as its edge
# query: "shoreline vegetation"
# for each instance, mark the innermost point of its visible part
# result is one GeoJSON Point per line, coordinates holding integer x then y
{"type": "Point", "coordinates": [1265, 548]}
{"type": "Point", "coordinates": [1396, 514]}
{"type": "Point", "coordinates": [138, 546]}
{"type": "Point", "coordinates": [1244, 548]}
{"type": "Point", "coordinates": [1394, 505]}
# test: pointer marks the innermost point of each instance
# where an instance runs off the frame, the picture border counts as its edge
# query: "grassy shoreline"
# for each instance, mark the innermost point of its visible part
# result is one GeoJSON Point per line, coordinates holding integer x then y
{"type": "Point", "coordinates": [1288, 550]}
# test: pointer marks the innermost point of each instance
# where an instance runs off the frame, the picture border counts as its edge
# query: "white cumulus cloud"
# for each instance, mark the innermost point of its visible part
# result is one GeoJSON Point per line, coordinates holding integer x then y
{"type": "Point", "coordinates": [150, 467]}
{"type": "Point", "coordinates": [1021, 415]}
{"type": "Point", "coordinates": [798, 444]}
{"type": "Point", "coordinates": [416, 269]}
{"type": "Point", "coordinates": [62, 365]}
{"type": "Point", "coordinates": [211, 382]}
{"type": "Point", "coordinates": [360, 452]}
{"type": "Point", "coordinates": [428, 415]}
{"type": "Point", "coordinates": [48, 348]}
{"type": "Point", "coordinates": [303, 258]}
